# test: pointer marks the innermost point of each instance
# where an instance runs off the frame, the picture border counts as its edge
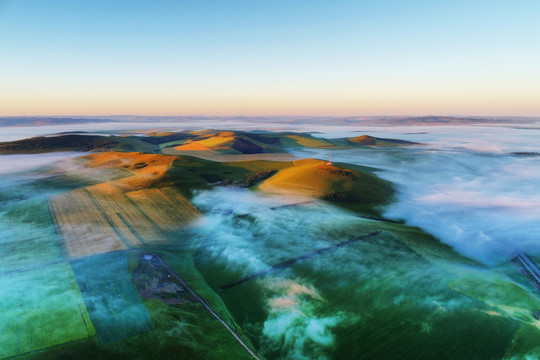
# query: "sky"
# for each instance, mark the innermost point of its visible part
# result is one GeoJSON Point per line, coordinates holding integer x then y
{"type": "Point", "coordinates": [341, 57]}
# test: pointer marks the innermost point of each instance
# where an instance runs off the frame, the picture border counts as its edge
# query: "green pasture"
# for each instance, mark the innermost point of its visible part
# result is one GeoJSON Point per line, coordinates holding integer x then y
{"type": "Point", "coordinates": [190, 173]}
{"type": "Point", "coordinates": [41, 308]}
{"type": "Point", "coordinates": [27, 235]}
{"type": "Point", "coordinates": [171, 143]}
{"type": "Point", "coordinates": [182, 331]}
{"type": "Point", "coordinates": [114, 305]}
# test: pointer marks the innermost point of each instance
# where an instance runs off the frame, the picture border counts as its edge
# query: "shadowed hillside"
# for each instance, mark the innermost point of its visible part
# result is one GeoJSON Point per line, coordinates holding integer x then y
{"type": "Point", "coordinates": [73, 143]}
{"type": "Point", "coordinates": [374, 141]}
{"type": "Point", "coordinates": [206, 142]}
{"type": "Point", "coordinates": [350, 186]}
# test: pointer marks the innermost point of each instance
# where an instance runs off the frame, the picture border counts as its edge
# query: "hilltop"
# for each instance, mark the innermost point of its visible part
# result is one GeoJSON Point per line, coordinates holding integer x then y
{"type": "Point", "coordinates": [74, 142]}
{"type": "Point", "coordinates": [344, 184]}
{"type": "Point", "coordinates": [350, 186]}
{"type": "Point", "coordinates": [374, 141]}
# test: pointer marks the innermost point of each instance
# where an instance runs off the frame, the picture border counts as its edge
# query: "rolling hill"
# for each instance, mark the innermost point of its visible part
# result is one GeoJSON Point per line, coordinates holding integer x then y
{"type": "Point", "coordinates": [192, 142]}
{"type": "Point", "coordinates": [74, 142]}
{"type": "Point", "coordinates": [342, 184]}
{"type": "Point", "coordinates": [367, 140]}
{"type": "Point", "coordinates": [350, 186]}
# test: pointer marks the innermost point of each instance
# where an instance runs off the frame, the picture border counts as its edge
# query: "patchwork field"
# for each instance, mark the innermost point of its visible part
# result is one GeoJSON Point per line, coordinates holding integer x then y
{"type": "Point", "coordinates": [32, 242]}
{"type": "Point", "coordinates": [122, 213]}
{"type": "Point", "coordinates": [41, 308]}
{"type": "Point", "coordinates": [101, 218]}
{"type": "Point", "coordinates": [114, 305]}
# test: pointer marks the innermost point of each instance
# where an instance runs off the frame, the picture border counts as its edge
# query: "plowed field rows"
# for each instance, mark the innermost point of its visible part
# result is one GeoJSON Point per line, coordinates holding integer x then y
{"type": "Point", "coordinates": [102, 218]}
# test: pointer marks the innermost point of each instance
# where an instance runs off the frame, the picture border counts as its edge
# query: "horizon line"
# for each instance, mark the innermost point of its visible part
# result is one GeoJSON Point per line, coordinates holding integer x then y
{"type": "Point", "coordinates": [269, 116]}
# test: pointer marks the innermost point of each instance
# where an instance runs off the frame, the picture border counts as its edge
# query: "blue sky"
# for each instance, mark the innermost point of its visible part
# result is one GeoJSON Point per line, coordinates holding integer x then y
{"type": "Point", "coordinates": [269, 57]}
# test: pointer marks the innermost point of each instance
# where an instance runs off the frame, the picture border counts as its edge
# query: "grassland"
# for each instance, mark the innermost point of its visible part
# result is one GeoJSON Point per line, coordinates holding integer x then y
{"type": "Point", "coordinates": [74, 143]}
{"type": "Point", "coordinates": [220, 142]}
{"type": "Point", "coordinates": [140, 208]}
{"type": "Point", "coordinates": [41, 308]}
{"type": "Point", "coordinates": [32, 242]}
{"type": "Point", "coordinates": [404, 294]}
{"type": "Point", "coordinates": [374, 141]}
{"type": "Point", "coordinates": [337, 183]}
{"type": "Point", "coordinates": [304, 141]}
{"type": "Point", "coordinates": [224, 141]}
{"type": "Point", "coordinates": [147, 205]}
{"type": "Point", "coordinates": [114, 306]}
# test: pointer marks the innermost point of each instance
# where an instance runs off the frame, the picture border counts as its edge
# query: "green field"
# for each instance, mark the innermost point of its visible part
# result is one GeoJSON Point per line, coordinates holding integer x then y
{"type": "Point", "coordinates": [27, 235]}
{"type": "Point", "coordinates": [41, 308]}
{"type": "Point", "coordinates": [113, 303]}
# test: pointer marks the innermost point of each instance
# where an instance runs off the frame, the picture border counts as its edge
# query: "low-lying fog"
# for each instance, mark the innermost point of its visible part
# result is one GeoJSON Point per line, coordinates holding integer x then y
{"type": "Point", "coordinates": [12, 164]}
{"type": "Point", "coordinates": [465, 185]}
{"type": "Point", "coordinates": [307, 304]}
{"type": "Point", "coordinates": [12, 133]}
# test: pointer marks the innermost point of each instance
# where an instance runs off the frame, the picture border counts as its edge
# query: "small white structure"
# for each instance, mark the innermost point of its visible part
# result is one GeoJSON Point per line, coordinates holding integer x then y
{"type": "Point", "coordinates": [329, 159]}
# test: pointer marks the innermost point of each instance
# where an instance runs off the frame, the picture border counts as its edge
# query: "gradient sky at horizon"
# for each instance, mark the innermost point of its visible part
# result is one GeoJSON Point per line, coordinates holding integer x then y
{"type": "Point", "coordinates": [299, 57]}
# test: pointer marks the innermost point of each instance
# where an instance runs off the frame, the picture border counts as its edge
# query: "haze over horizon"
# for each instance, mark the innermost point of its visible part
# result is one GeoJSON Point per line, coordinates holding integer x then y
{"type": "Point", "coordinates": [242, 58]}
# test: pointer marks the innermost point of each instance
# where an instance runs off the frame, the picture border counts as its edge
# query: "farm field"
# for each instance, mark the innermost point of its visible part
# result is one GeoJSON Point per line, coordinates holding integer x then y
{"type": "Point", "coordinates": [41, 308]}
{"type": "Point", "coordinates": [76, 244]}
{"type": "Point", "coordinates": [126, 213]}
{"type": "Point", "coordinates": [113, 303]}
{"type": "Point", "coordinates": [124, 220]}
{"type": "Point", "coordinates": [33, 242]}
